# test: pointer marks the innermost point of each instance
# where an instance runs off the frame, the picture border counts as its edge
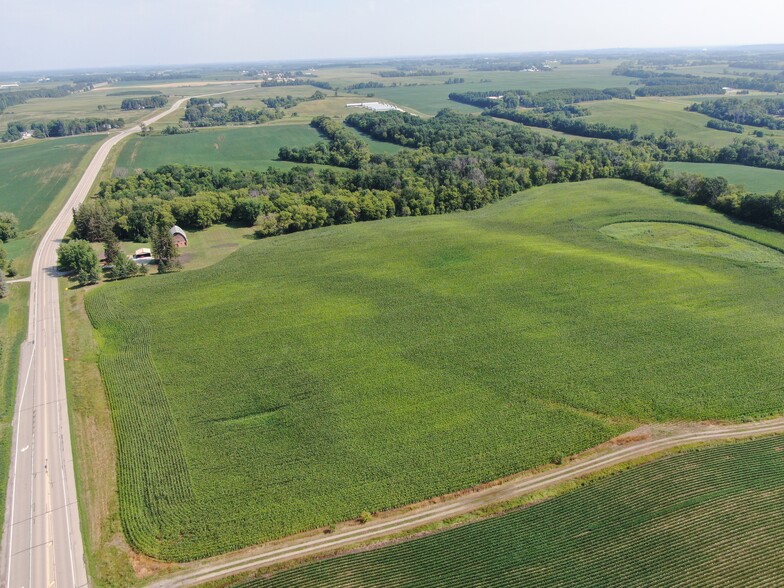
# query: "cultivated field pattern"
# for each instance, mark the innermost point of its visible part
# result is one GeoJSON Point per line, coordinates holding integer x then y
{"type": "Point", "coordinates": [313, 361]}
{"type": "Point", "coordinates": [31, 175]}
{"type": "Point", "coordinates": [706, 518]}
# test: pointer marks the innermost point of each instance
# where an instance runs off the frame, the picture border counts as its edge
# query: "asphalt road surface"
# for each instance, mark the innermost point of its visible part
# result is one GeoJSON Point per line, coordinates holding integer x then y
{"type": "Point", "coordinates": [42, 541]}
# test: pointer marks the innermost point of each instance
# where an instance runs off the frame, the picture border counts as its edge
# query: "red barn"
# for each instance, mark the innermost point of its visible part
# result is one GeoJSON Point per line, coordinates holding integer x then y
{"type": "Point", "coordinates": [178, 236]}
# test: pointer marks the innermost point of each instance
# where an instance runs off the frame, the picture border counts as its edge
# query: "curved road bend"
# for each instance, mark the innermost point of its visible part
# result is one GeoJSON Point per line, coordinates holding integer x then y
{"type": "Point", "coordinates": [42, 541]}
{"type": "Point", "coordinates": [308, 545]}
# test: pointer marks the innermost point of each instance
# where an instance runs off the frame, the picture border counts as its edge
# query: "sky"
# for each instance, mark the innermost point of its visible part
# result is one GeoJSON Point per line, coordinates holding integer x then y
{"type": "Point", "coordinates": [64, 34]}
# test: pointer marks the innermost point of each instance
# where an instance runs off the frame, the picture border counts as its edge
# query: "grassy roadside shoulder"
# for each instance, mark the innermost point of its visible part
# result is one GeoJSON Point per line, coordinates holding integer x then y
{"type": "Point", "coordinates": [107, 169]}
{"type": "Point", "coordinates": [13, 329]}
{"type": "Point", "coordinates": [110, 561]}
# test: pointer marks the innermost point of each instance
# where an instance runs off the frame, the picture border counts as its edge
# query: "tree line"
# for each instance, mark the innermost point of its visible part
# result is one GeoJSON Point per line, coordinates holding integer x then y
{"type": "Point", "coordinates": [564, 123]}
{"type": "Point", "coordinates": [144, 103]}
{"type": "Point", "coordinates": [61, 128]}
{"type": "Point", "coordinates": [365, 86]}
{"type": "Point", "coordinates": [412, 73]}
{"type": "Point", "coordinates": [8, 230]}
{"type": "Point", "coordinates": [547, 99]}
{"type": "Point", "coordinates": [723, 125]}
{"type": "Point", "coordinates": [213, 112]}
{"type": "Point", "coordinates": [678, 84]}
{"type": "Point", "coordinates": [296, 82]}
{"type": "Point", "coordinates": [343, 148]}
{"type": "Point", "coordinates": [455, 168]}
{"type": "Point", "coordinates": [755, 112]}
{"type": "Point", "coordinates": [290, 101]}
{"type": "Point", "coordinates": [16, 97]}
{"type": "Point", "coordinates": [450, 131]}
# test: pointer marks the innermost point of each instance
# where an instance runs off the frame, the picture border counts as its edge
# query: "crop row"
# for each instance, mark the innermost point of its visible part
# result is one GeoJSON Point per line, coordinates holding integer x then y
{"type": "Point", "coordinates": [319, 375]}
{"type": "Point", "coordinates": [710, 517]}
{"type": "Point", "coordinates": [154, 482]}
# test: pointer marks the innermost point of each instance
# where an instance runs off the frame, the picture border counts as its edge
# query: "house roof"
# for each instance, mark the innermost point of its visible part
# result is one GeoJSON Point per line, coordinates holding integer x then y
{"type": "Point", "coordinates": [175, 230]}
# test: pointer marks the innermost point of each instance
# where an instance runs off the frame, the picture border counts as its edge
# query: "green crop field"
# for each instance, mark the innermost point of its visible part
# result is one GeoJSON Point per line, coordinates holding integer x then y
{"type": "Point", "coordinates": [655, 114]}
{"type": "Point", "coordinates": [34, 171]}
{"type": "Point", "coordinates": [377, 364]}
{"type": "Point", "coordinates": [254, 147]}
{"type": "Point", "coordinates": [754, 179]}
{"type": "Point", "coordinates": [80, 105]}
{"type": "Point", "coordinates": [429, 94]}
{"type": "Point", "coordinates": [704, 518]}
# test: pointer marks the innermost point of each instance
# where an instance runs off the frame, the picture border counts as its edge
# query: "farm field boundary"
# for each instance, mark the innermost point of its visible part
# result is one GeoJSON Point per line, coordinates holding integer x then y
{"type": "Point", "coordinates": [36, 190]}
{"type": "Point", "coordinates": [701, 517]}
{"type": "Point", "coordinates": [606, 456]}
{"type": "Point", "coordinates": [349, 356]}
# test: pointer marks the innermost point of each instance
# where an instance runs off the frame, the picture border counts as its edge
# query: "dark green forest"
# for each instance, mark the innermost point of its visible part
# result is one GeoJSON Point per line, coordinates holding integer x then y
{"type": "Point", "coordinates": [461, 162]}
{"type": "Point", "coordinates": [755, 112]}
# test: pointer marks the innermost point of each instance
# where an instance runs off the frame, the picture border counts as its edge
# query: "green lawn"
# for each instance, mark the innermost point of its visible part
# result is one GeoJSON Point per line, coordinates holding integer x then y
{"type": "Point", "coordinates": [704, 518]}
{"type": "Point", "coordinates": [253, 147]}
{"type": "Point", "coordinates": [313, 376]}
{"type": "Point", "coordinates": [754, 179]}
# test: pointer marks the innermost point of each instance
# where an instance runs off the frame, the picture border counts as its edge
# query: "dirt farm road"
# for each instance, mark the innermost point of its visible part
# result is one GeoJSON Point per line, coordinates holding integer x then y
{"type": "Point", "coordinates": [42, 541]}
{"type": "Point", "coordinates": [633, 445]}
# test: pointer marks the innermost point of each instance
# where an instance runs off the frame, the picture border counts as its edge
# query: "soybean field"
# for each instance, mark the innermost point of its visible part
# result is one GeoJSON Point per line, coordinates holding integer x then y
{"type": "Point", "coordinates": [373, 365]}
{"type": "Point", "coordinates": [704, 518]}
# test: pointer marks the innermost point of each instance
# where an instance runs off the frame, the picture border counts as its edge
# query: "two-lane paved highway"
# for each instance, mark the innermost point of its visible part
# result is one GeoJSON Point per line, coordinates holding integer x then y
{"type": "Point", "coordinates": [42, 541]}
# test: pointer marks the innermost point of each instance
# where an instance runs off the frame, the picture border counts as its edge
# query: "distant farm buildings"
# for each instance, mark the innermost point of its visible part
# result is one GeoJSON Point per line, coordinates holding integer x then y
{"type": "Point", "coordinates": [375, 106]}
{"type": "Point", "coordinates": [178, 236]}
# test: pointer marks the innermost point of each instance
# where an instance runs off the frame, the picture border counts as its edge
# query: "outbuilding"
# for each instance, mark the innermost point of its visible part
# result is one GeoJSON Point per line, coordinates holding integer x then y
{"type": "Point", "coordinates": [178, 236]}
{"type": "Point", "coordinates": [143, 253]}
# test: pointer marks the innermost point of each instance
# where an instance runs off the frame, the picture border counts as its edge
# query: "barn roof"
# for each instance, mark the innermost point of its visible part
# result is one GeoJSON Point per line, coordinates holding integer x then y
{"type": "Point", "coordinates": [175, 230]}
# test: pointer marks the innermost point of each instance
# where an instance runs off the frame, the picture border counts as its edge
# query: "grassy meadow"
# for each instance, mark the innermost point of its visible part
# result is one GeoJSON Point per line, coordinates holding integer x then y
{"type": "Point", "coordinates": [381, 363]}
{"type": "Point", "coordinates": [702, 518]}
{"type": "Point", "coordinates": [754, 179]}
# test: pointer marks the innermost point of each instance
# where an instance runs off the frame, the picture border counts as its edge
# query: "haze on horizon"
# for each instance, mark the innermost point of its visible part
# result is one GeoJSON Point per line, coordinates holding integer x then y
{"type": "Point", "coordinates": [45, 34]}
